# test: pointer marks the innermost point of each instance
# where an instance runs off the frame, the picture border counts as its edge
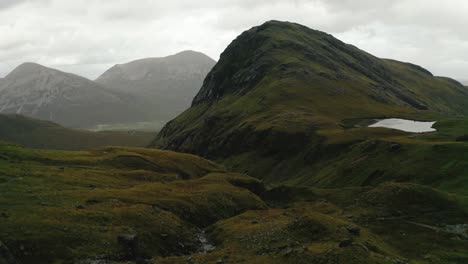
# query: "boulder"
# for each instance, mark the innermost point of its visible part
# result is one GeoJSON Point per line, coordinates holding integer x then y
{"type": "Point", "coordinates": [354, 230]}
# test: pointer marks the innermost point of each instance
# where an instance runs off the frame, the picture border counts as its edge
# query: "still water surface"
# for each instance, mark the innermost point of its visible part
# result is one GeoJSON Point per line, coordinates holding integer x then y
{"type": "Point", "coordinates": [405, 125]}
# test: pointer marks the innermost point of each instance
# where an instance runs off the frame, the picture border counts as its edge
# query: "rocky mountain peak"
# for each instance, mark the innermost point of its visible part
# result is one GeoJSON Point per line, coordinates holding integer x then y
{"type": "Point", "coordinates": [182, 65]}
{"type": "Point", "coordinates": [291, 49]}
{"type": "Point", "coordinates": [258, 50]}
{"type": "Point", "coordinates": [27, 68]}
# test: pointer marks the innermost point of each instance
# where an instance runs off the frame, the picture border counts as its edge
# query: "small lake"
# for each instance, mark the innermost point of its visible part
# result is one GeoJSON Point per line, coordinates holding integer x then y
{"type": "Point", "coordinates": [405, 125]}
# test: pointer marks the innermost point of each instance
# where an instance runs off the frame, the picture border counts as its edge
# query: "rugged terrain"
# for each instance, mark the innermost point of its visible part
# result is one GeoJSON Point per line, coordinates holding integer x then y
{"type": "Point", "coordinates": [127, 205]}
{"type": "Point", "coordinates": [166, 86]}
{"type": "Point", "coordinates": [70, 100]}
{"type": "Point", "coordinates": [99, 203]}
{"type": "Point", "coordinates": [35, 133]}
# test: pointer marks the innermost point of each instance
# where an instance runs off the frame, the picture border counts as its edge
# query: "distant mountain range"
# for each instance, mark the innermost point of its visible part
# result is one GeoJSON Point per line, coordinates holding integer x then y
{"type": "Point", "coordinates": [37, 91]}
{"type": "Point", "coordinates": [167, 84]}
{"type": "Point", "coordinates": [148, 90]}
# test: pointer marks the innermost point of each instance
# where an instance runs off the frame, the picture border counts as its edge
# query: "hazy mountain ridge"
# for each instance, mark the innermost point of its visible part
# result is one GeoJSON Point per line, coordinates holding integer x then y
{"type": "Point", "coordinates": [148, 90]}
{"type": "Point", "coordinates": [37, 91]}
{"type": "Point", "coordinates": [184, 65]}
{"type": "Point", "coordinates": [167, 85]}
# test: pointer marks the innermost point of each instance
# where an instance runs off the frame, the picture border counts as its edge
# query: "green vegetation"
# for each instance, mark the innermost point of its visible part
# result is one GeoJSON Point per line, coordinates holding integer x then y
{"type": "Point", "coordinates": [66, 206]}
{"type": "Point", "coordinates": [391, 223]}
{"type": "Point", "coordinates": [116, 204]}
{"type": "Point", "coordinates": [291, 105]}
{"type": "Point", "coordinates": [44, 134]}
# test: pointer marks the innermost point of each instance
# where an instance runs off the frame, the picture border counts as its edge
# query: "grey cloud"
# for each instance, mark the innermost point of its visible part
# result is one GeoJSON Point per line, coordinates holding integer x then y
{"type": "Point", "coordinates": [87, 36]}
{"type": "Point", "coordinates": [9, 3]}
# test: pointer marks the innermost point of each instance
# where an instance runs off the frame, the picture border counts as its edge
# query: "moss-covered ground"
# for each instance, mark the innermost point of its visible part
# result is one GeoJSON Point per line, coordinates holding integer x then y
{"type": "Point", "coordinates": [60, 206]}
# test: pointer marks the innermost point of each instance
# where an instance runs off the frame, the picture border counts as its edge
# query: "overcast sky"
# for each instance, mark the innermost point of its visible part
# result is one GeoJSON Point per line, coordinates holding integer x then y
{"type": "Point", "coordinates": [88, 36]}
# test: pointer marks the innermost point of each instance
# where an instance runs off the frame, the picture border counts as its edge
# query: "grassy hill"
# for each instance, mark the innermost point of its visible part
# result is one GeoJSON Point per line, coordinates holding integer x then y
{"type": "Point", "coordinates": [44, 134]}
{"type": "Point", "coordinates": [130, 205]}
{"type": "Point", "coordinates": [284, 101]}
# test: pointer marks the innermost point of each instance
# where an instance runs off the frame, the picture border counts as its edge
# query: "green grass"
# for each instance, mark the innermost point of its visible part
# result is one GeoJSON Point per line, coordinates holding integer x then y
{"type": "Point", "coordinates": [87, 199]}
{"type": "Point", "coordinates": [396, 222]}
{"type": "Point", "coordinates": [61, 206]}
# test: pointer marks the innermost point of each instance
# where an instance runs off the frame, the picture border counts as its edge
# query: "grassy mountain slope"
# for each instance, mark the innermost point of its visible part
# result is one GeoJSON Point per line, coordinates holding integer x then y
{"type": "Point", "coordinates": [283, 100]}
{"type": "Point", "coordinates": [130, 205]}
{"type": "Point", "coordinates": [35, 133]}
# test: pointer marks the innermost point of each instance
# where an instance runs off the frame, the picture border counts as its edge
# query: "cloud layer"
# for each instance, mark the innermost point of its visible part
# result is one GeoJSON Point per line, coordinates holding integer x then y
{"type": "Point", "coordinates": [88, 36]}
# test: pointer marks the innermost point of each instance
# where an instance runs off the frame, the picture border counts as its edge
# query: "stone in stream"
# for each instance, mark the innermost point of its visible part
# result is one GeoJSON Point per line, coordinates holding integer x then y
{"type": "Point", "coordinates": [205, 245]}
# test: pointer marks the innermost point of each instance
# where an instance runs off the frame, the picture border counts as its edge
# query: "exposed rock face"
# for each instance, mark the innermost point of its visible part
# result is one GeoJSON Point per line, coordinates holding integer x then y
{"type": "Point", "coordinates": [167, 84]}
{"type": "Point", "coordinates": [44, 93]}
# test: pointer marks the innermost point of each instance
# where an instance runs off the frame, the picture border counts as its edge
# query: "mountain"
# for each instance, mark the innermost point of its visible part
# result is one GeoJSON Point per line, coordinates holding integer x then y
{"type": "Point", "coordinates": [167, 84]}
{"type": "Point", "coordinates": [35, 133]}
{"type": "Point", "coordinates": [44, 93]}
{"type": "Point", "coordinates": [284, 103]}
